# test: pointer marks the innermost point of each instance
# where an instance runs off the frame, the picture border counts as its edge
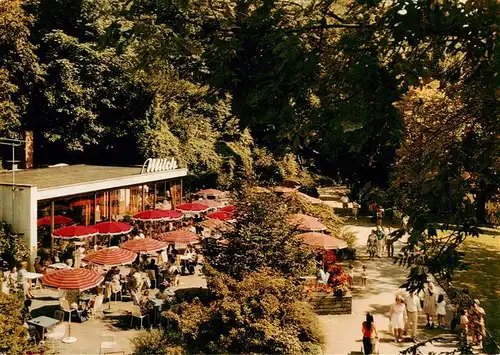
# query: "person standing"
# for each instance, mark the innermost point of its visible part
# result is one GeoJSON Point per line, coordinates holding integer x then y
{"type": "Point", "coordinates": [412, 303]}
{"type": "Point", "coordinates": [476, 323]}
{"type": "Point", "coordinates": [380, 242]}
{"type": "Point", "coordinates": [364, 276]}
{"type": "Point", "coordinates": [373, 210]}
{"type": "Point", "coordinates": [380, 215]}
{"type": "Point", "coordinates": [370, 335]}
{"type": "Point", "coordinates": [441, 310]}
{"type": "Point", "coordinates": [430, 304]}
{"type": "Point", "coordinates": [355, 209]}
{"type": "Point", "coordinates": [371, 244]}
{"type": "Point", "coordinates": [398, 318]}
{"type": "Point", "coordinates": [351, 275]}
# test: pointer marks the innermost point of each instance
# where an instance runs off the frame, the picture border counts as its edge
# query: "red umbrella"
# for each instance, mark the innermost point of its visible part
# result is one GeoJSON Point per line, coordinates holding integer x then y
{"type": "Point", "coordinates": [111, 257]}
{"type": "Point", "coordinates": [81, 203]}
{"type": "Point", "coordinates": [223, 216]}
{"type": "Point", "coordinates": [145, 245]}
{"type": "Point", "coordinates": [46, 221]}
{"type": "Point", "coordinates": [322, 240]}
{"type": "Point", "coordinates": [210, 203]}
{"type": "Point", "coordinates": [306, 223]}
{"type": "Point", "coordinates": [158, 215]}
{"type": "Point", "coordinates": [229, 208]}
{"type": "Point", "coordinates": [73, 279]}
{"type": "Point", "coordinates": [180, 236]}
{"type": "Point", "coordinates": [74, 232]}
{"type": "Point", "coordinates": [209, 192]}
{"type": "Point", "coordinates": [113, 228]}
{"type": "Point", "coordinates": [193, 207]}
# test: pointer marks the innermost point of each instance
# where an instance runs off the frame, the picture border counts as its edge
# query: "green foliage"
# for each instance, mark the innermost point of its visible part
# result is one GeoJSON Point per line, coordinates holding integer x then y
{"type": "Point", "coordinates": [15, 335]}
{"type": "Point", "coordinates": [261, 314]}
{"type": "Point", "coordinates": [154, 342]}
{"type": "Point", "coordinates": [13, 248]}
{"type": "Point", "coordinates": [261, 237]}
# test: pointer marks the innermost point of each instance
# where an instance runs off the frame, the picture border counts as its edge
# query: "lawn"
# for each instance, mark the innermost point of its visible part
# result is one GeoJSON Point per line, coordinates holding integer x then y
{"type": "Point", "coordinates": [483, 277]}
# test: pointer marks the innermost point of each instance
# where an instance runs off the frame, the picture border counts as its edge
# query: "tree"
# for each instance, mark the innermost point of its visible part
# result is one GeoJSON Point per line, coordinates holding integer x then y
{"type": "Point", "coordinates": [19, 68]}
{"type": "Point", "coordinates": [262, 237]}
{"type": "Point", "coordinates": [261, 314]}
{"type": "Point", "coordinates": [15, 339]}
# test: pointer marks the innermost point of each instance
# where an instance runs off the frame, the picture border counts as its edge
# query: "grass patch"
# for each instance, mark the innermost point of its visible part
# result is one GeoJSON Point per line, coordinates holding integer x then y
{"type": "Point", "coordinates": [483, 277]}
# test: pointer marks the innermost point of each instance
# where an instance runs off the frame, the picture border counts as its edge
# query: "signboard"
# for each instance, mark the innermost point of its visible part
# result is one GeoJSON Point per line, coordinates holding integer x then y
{"type": "Point", "coordinates": [153, 165]}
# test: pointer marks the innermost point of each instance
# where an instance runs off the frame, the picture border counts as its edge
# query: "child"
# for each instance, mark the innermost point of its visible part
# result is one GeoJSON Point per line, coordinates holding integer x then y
{"type": "Point", "coordinates": [441, 310]}
{"type": "Point", "coordinates": [351, 274]}
{"type": "Point", "coordinates": [364, 276]}
{"type": "Point", "coordinates": [464, 324]}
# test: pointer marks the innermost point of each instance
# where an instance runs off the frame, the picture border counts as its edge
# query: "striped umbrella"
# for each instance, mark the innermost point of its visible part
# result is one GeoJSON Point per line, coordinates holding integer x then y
{"type": "Point", "coordinates": [229, 208]}
{"type": "Point", "coordinates": [75, 232]}
{"type": "Point", "coordinates": [209, 192]}
{"type": "Point", "coordinates": [158, 215]}
{"type": "Point", "coordinates": [111, 257]}
{"type": "Point", "coordinates": [306, 223]}
{"type": "Point", "coordinates": [216, 224]}
{"type": "Point", "coordinates": [193, 207]}
{"type": "Point", "coordinates": [223, 216]}
{"type": "Point", "coordinates": [324, 241]}
{"type": "Point", "coordinates": [145, 245]}
{"type": "Point", "coordinates": [47, 221]}
{"type": "Point", "coordinates": [210, 203]}
{"type": "Point", "coordinates": [113, 228]}
{"type": "Point", "coordinates": [73, 279]}
{"type": "Point", "coordinates": [180, 236]}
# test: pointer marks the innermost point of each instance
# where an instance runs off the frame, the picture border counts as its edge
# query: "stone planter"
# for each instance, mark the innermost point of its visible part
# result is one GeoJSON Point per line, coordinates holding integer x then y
{"type": "Point", "coordinates": [327, 303]}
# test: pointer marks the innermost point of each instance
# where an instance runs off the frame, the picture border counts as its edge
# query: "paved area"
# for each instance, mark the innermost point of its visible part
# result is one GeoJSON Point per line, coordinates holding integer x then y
{"type": "Point", "coordinates": [89, 333]}
{"type": "Point", "coordinates": [343, 332]}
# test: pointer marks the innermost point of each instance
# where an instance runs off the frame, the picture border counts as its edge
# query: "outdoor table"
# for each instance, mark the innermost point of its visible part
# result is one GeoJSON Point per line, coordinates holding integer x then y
{"type": "Point", "coordinates": [43, 322]}
{"type": "Point", "coordinates": [58, 266]}
{"type": "Point", "coordinates": [32, 275]}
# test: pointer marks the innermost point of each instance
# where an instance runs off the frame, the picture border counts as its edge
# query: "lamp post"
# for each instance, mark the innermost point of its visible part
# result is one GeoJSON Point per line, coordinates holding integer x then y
{"type": "Point", "coordinates": [13, 143]}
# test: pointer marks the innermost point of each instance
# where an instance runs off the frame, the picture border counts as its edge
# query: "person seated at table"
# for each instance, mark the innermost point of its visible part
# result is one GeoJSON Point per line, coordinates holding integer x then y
{"type": "Point", "coordinates": [33, 332]}
{"type": "Point", "coordinates": [39, 268]}
{"type": "Point", "coordinates": [152, 266]}
{"type": "Point", "coordinates": [25, 282]}
{"type": "Point", "coordinates": [69, 264]}
{"type": "Point", "coordinates": [54, 257]}
{"type": "Point", "coordinates": [12, 278]}
{"type": "Point", "coordinates": [189, 252]}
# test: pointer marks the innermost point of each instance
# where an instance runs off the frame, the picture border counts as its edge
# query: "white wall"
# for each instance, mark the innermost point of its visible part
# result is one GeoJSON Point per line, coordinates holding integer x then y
{"type": "Point", "coordinates": [19, 208]}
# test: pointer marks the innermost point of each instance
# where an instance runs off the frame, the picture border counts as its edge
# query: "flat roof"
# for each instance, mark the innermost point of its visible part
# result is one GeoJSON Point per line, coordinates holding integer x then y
{"type": "Point", "coordinates": [68, 178]}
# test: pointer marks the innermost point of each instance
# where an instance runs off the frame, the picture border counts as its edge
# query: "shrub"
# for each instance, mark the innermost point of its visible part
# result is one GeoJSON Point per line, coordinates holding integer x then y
{"type": "Point", "coordinates": [13, 248]}
{"type": "Point", "coordinates": [261, 314]}
{"type": "Point", "coordinates": [14, 339]}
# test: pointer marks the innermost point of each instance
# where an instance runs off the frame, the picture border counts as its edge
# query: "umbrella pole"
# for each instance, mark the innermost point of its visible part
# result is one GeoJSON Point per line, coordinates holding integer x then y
{"type": "Point", "coordinates": [69, 339]}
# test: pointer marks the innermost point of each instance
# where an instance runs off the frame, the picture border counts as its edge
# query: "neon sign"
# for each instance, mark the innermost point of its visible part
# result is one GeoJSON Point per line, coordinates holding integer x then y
{"type": "Point", "coordinates": [153, 165]}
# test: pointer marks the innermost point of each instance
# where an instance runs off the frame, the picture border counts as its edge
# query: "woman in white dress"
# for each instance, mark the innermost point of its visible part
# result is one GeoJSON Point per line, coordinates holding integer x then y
{"type": "Point", "coordinates": [398, 317]}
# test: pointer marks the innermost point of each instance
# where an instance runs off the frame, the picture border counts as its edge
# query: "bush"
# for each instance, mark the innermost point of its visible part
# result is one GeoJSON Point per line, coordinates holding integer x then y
{"type": "Point", "coordinates": [154, 342]}
{"type": "Point", "coordinates": [13, 248]}
{"type": "Point", "coordinates": [262, 314]}
{"type": "Point", "coordinates": [14, 339]}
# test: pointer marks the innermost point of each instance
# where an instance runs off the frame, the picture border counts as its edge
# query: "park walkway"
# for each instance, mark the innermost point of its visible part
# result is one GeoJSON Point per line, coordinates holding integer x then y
{"type": "Point", "coordinates": [343, 332]}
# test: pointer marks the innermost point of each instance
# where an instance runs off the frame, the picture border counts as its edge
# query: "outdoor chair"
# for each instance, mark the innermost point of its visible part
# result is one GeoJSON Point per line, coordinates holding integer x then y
{"type": "Point", "coordinates": [107, 342]}
{"type": "Point", "coordinates": [56, 334]}
{"type": "Point", "coordinates": [98, 306]}
{"type": "Point", "coordinates": [136, 313]}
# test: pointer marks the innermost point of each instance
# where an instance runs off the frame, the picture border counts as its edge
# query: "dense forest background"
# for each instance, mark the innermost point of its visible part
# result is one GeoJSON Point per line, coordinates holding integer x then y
{"type": "Point", "coordinates": [397, 94]}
